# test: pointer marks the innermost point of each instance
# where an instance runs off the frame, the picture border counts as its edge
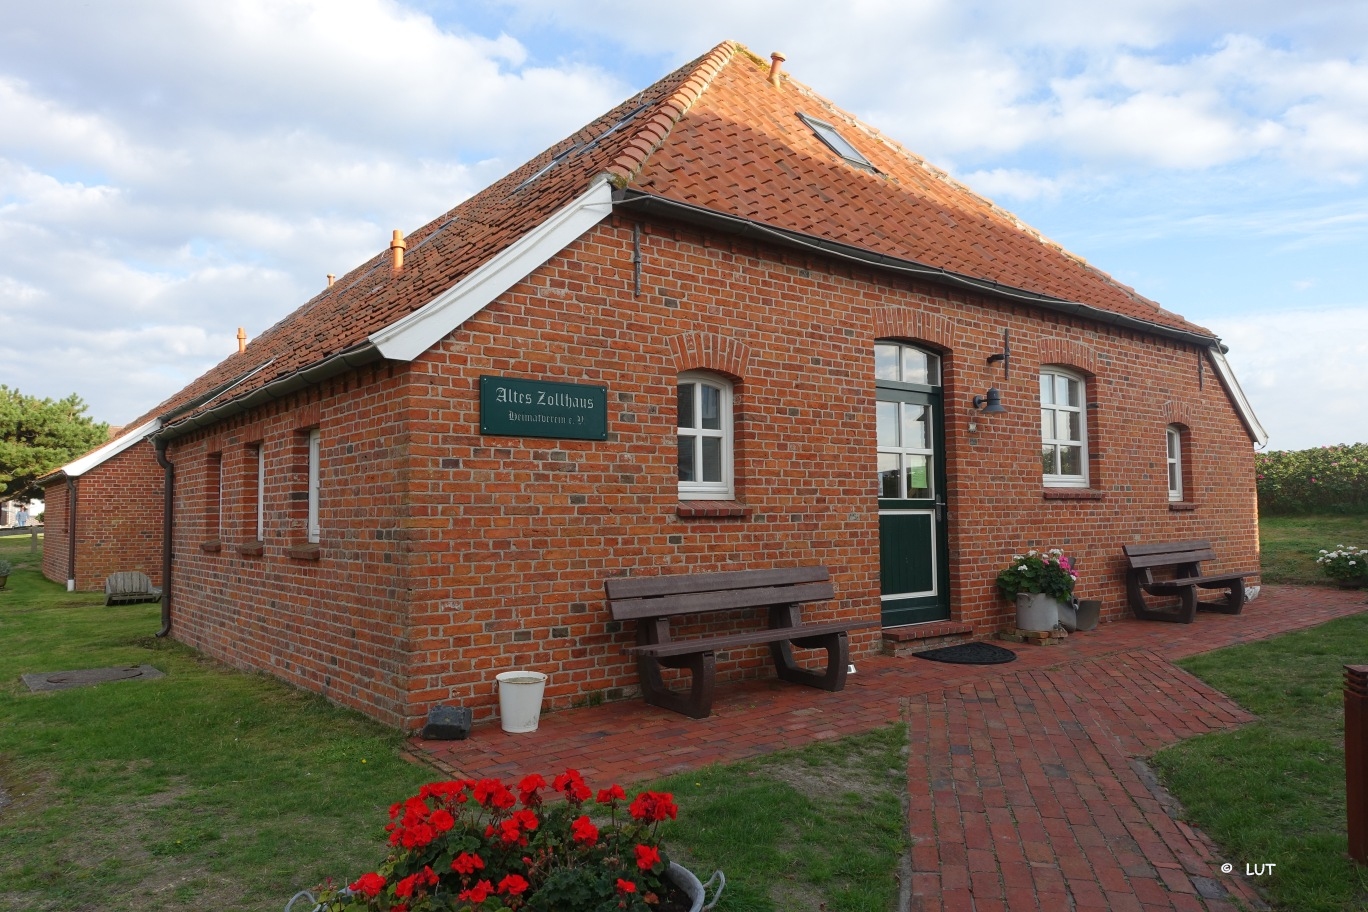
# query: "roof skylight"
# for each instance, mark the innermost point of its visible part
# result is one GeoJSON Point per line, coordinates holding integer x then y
{"type": "Point", "coordinates": [836, 142]}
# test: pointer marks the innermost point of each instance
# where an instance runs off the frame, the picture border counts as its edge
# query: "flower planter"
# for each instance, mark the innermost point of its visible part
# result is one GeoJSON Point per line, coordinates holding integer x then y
{"type": "Point", "coordinates": [1037, 611]}
{"type": "Point", "coordinates": [685, 880]}
{"type": "Point", "coordinates": [520, 699]}
{"type": "Point", "coordinates": [1080, 614]}
{"type": "Point", "coordinates": [1356, 583]}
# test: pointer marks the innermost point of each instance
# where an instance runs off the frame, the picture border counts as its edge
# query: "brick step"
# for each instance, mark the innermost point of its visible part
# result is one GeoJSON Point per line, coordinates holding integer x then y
{"type": "Point", "coordinates": [914, 638]}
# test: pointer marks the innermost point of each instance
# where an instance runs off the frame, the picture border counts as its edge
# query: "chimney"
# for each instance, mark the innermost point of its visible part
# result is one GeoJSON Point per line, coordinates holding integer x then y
{"type": "Point", "coordinates": [397, 247]}
{"type": "Point", "coordinates": [331, 278]}
{"type": "Point", "coordinates": [776, 62]}
{"type": "Point", "coordinates": [242, 340]}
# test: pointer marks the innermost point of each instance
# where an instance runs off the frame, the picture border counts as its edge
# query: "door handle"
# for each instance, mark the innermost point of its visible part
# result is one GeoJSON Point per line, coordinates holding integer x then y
{"type": "Point", "coordinates": [940, 512]}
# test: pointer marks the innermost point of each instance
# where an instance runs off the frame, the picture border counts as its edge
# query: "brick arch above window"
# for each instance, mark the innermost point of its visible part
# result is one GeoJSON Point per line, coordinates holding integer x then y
{"type": "Point", "coordinates": [1068, 353]}
{"type": "Point", "coordinates": [912, 325]}
{"type": "Point", "coordinates": [706, 351]}
{"type": "Point", "coordinates": [1178, 413]}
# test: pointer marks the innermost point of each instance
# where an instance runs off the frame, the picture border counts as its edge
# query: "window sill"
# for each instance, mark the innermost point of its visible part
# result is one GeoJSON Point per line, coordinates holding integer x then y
{"type": "Point", "coordinates": [1182, 506]}
{"type": "Point", "coordinates": [251, 549]}
{"type": "Point", "coordinates": [305, 551]}
{"type": "Point", "coordinates": [1074, 494]}
{"type": "Point", "coordinates": [712, 509]}
{"type": "Point", "coordinates": [213, 546]}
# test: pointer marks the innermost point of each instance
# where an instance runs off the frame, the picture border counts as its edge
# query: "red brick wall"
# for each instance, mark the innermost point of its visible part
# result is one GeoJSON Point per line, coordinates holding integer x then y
{"type": "Point", "coordinates": [118, 521]}
{"type": "Point", "coordinates": [329, 618]}
{"type": "Point", "coordinates": [452, 556]}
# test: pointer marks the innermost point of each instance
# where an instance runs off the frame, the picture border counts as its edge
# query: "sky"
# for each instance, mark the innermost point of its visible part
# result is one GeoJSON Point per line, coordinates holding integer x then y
{"type": "Point", "coordinates": [170, 171]}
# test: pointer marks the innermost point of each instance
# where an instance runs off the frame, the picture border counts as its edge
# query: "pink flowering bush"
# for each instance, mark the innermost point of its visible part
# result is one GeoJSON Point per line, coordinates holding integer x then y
{"type": "Point", "coordinates": [479, 846]}
{"type": "Point", "coordinates": [1329, 479]}
{"type": "Point", "coordinates": [1049, 572]}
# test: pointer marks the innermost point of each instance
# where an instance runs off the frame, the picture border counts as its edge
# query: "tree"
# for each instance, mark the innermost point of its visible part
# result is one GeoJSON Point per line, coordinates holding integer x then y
{"type": "Point", "coordinates": [39, 435]}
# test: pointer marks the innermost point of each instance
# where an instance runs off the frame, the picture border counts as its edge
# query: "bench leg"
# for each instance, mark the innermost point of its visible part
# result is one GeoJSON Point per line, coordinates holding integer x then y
{"type": "Point", "coordinates": [697, 703]}
{"type": "Point", "coordinates": [1231, 603]}
{"type": "Point", "coordinates": [837, 646]}
{"type": "Point", "coordinates": [1185, 613]}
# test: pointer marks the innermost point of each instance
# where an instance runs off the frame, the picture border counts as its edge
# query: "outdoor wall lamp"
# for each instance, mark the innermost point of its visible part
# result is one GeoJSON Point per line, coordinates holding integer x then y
{"type": "Point", "coordinates": [990, 402]}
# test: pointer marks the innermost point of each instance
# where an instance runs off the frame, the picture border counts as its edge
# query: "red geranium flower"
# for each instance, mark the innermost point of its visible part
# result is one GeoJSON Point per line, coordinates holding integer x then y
{"type": "Point", "coordinates": [492, 792]}
{"type": "Point", "coordinates": [368, 885]}
{"type": "Point", "coordinates": [478, 893]}
{"type": "Point", "coordinates": [466, 863]}
{"type": "Point", "coordinates": [584, 830]}
{"type": "Point", "coordinates": [513, 885]}
{"type": "Point", "coordinates": [424, 878]}
{"type": "Point", "coordinates": [654, 806]}
{"type": "Point", "coordinates": [611, 794]}
{"type": "Point", "coordinates": [647, 857]}
{"type": "Point", "coordinates": [625, 886]}
{"type": "Point", "coordinates": [527, 789]}
{"type": "Point", "coordinates": [442, 821]}
{"type": "Point", "coordinates": [571, 783]}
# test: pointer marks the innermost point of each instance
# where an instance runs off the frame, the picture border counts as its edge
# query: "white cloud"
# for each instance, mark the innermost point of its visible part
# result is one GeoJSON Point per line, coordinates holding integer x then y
{"type": "Point", "coordinates": [1303, 372]}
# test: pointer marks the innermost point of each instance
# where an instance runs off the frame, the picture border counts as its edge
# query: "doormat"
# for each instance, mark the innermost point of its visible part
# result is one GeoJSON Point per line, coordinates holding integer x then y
{"type": "Point", "coordinates": [975, 653]}
{"type": "Point", "coordinates": [64, 680]}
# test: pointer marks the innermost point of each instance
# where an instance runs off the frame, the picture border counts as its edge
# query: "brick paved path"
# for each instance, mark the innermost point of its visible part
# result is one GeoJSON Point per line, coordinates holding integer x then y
{"type": "Point", "coordinates": [1024, 785]}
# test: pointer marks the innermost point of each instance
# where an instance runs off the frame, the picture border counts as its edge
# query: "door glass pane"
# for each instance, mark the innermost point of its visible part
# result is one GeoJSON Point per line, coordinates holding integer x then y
{"type": "Point", "coordinates": [888, 475]}
{"type": "Point", "coordinates": [914, 366]}
{"type": "Point", "coordinates": [1047, 389]}
{"type": "Point", "coordinates": [886, 361]}
{"type": "Point", "coordinates": [918, 470]}
{"type": "Point", "coordinates": [1070, 460]}
{"type": "Point", "coordinates": [914, 430]}
{"type": "Point", "coordinates": [1047, 460]}
{"type": "Point", "coordinates": [686, 408]}
{"type": "Point", "coordinates": [888, 423]}
{"type": "Point", "coordinates": [712, 407]}
{"type": "Point", "coordinates": [686, 458]}
{"type": "Point", "coordinates": [712, 459]}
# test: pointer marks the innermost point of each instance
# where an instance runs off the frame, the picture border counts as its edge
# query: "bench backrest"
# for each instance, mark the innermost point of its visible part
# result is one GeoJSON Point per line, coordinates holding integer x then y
{"type": "Point", "coordinates": [1169, 554]}
{"type": "Point", "coordinates": [127, 582]}
{"type": "Point", "coordinates": [696, 593]}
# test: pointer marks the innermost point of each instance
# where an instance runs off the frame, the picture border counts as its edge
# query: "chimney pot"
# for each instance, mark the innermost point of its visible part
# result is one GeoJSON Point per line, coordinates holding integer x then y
{"type": "Point", "coordinates": [397, 247]}
{"type": "Point", "coordinates": [331, 278]}
{"type": "Point", "coordinates": [242, 340]}
{"type": "Point", "coordinates": [776, 63]}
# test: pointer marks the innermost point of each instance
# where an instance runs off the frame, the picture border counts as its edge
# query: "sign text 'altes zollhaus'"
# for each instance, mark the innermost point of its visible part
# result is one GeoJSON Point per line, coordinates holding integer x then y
{"type": "Point", "coordinates": [543, 408]}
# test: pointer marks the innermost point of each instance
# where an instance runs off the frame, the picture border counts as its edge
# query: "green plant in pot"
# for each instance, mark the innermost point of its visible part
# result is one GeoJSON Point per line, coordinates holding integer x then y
{"type": "Point", "coordinates": [1040, 582]}
{"type": "Point", "coordinates": [5, 569]}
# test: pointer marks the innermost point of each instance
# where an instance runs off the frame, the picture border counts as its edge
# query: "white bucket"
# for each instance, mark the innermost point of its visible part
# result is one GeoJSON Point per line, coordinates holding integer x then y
{"type": "Point", "coordinates": [520, 696]}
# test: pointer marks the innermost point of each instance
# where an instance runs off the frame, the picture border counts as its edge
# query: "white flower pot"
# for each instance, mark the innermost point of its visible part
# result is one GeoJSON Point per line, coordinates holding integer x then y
{"type": "Point", "coordinates": [520, 698]}
{"type": "Point", "coordinates": [1037, 611]}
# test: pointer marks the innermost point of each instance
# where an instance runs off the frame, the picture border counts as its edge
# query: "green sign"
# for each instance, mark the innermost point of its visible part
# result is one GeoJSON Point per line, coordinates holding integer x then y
{"type": "Point", "coordinates": [541, 408]}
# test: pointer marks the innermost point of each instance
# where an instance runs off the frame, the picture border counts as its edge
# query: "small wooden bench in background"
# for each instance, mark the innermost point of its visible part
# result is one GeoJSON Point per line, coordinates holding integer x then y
{"type": "Point", "coordinates": [129, 586]}
{"type": "Point", "coordinates": [653, 601]}
{"type": "Point", "coordinates": [1185, 559]}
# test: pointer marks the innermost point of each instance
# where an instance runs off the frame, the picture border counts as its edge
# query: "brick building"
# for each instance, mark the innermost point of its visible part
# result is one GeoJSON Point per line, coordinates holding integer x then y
{"type": "Point", "coordinates": [725, 326]}
{"type": "Point", "coordinates": [103, 513]}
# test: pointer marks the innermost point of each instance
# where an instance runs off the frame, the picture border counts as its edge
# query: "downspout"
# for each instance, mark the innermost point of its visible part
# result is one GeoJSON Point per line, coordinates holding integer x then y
{"type": "Point", "coordinates": [168, 512]}
{"type": "Point", "coordinates": [71, 534]}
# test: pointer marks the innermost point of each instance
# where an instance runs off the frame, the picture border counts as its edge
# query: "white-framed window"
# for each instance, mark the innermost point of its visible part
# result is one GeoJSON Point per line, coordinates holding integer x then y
{"type": "Point", "coordinates": [705, 437]}
{"type": "Point", "coordinates": [313, 484]}
{"type": "Point", "coordinates": [1063, 429]}
{"type": "Point", "coordinates": [1174, 442]}
{"type": "Point", "coordinates": [261, 492]}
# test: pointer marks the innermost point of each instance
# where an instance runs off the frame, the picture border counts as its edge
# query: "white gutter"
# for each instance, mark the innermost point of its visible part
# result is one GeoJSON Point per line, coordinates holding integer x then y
{"type": "Point", "coordinates": [1237, 396]}
{"type": "Point", "coordinates": [107, 452]}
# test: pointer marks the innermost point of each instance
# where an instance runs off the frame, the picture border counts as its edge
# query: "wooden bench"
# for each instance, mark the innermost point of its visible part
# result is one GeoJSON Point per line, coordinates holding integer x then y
{"type": "Point", "coordinates": [653, 601]}
{"type": "Point", "coordinates": [129, 586]}
{"type": "Point", "coordinates": [1185, 559]}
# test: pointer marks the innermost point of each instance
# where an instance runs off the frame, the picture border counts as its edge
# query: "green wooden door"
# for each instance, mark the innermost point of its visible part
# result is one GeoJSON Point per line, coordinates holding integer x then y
{"type": "Point", "coordinates": [913, 561]}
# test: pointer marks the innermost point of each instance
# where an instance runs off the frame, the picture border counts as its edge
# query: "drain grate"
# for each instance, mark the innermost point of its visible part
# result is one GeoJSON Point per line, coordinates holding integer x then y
{"type": "Point", "coordinates": [63, 680]}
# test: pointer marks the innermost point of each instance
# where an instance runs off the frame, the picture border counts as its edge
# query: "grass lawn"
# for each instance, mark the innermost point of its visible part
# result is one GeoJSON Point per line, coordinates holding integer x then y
{"type": "Point", "coordinates": [1291, 544]}
{"type": "Point", "coordinates": [214, 789]}
{"type": "Point", "coordinates": [1273, 792]}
